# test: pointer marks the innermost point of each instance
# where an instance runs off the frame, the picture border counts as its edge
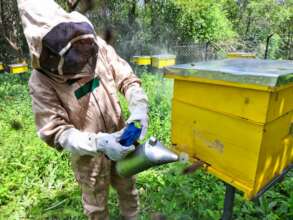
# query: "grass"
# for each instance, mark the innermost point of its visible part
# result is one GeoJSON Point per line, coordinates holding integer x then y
{"type": "Point", "coordinates": [36, 182]}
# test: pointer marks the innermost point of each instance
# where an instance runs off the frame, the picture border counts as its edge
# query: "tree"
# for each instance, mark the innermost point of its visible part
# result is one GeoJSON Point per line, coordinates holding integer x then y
{"type": "Point", "coordinates": [257, 21]}
{"type": "Point", "coordinates": [193, 21]}
{"type": "Point", "coordinates": [268, 15]}
{"type": "Point", "coordinates": [152, 26]}
{"type": "Point", "coordinates": [12, 40]}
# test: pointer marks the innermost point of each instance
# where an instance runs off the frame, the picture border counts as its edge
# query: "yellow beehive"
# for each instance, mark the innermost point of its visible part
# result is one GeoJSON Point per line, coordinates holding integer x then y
{"type": "Point", "coordinates": [1, 67]}
{"type": "Point", "coordinates": [236, 116]}
{"type": "Point", "coordinates": [18, 68]}
{"type": "Point", "coordinates": [242, 55]}
{"type": "Point", "coordinates": [133, 59]}
{"type": "Point", "coordinates": [142, 60]}
{"type": "Point", "coordinates": [161, 61]}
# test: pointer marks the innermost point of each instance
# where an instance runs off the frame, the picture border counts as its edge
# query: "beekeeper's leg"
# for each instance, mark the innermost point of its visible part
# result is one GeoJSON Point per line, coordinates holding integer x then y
{"type": "Point", "coordinates": [93, 176]}
{"type": "Point", "coordinates": [127, 195]}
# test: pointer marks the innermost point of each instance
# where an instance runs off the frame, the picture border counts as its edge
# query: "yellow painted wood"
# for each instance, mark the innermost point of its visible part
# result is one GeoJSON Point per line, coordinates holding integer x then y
{"type": "Point", "coordinates": [241, 55]}
{"type": "Point", "coordinates": [241, 131]}
{"type": "Point", "coordinates": [18, 68]}
{"type": "Point", "coordinates": [281, 102]}
{"type": "Point", "coordinates": [223, 176]}
{"type": "Point", "coordinates": [220, 82]}
{"type": "Point", "coordinates": [133, 59]}
{"type": "Point", "coordinates": [234, 101]}
{"type": "Point", "coordinates": [1, 67]}
{"type": "Point", "coordinates": [241, 102]}
{"type": "Point", "coordinates": [143, 60]}
{"type": "Point", "coordinates": [214, 138]}
{"type": "Point", "coordinates": [276, 150]}
{"type": "Point", "coordinates": [161, 61]}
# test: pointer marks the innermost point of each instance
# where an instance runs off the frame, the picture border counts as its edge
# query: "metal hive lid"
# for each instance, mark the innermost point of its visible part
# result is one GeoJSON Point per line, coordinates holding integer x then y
{"type": "Point", "coordinates": [142, 56]}
{"type": "Point", "coordinates": [247, 71]}
{"type": "Point", "coordinates": [164, 56]}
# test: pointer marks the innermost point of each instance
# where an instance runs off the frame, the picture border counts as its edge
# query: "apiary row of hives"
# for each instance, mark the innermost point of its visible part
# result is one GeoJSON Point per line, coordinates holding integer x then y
{"type": "Point", "coordinates": [165, 60]}
{"type": "Point", "coordinates": [157, 61]}
{"type": "Point", "coordinates": [14, 68]}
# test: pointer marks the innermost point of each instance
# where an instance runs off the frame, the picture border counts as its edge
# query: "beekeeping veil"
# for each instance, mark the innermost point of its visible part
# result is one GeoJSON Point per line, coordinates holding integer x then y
{"type": "Point", "coordinates": [61, 43]}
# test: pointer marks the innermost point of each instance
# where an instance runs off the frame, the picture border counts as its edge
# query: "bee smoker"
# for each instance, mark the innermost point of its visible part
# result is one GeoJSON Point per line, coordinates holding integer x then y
{"type": "Point", "coordinates": [151, 153]}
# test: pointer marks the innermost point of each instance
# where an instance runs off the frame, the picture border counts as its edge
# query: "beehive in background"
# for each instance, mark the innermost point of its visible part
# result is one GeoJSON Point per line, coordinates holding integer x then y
{"type": "Point", "coordinates": [1, 67]}
{"type": "Point", "coordinates": [161, 61]}
{"type": "Point", "coordinates": [133, 59]}
{"type": "Point", "coordinates": [235, 115]}
{"type": "Point", "coordinates": [18, 68]}
{"type": "Point", "coordinates": [141, 60]}
{"type": "Point", "coordinates": [242, 55]}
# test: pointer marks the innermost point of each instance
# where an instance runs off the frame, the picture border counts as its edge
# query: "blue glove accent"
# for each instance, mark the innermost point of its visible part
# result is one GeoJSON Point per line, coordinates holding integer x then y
{"type": "Point", "coordinates": [130, 135]}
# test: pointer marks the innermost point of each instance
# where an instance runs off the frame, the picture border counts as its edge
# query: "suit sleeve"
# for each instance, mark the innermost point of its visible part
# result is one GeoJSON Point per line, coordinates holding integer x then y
{"type": "Point", "coordinates": [122, 72]}
{"type": "Point", "coordinates": [50, 117]}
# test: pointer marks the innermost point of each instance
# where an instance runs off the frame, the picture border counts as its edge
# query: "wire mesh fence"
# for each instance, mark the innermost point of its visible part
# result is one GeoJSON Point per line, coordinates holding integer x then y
{"type": "Point", "coordinates": [197, 52]}
{"type": "Point", "coordinates": [279, 47]}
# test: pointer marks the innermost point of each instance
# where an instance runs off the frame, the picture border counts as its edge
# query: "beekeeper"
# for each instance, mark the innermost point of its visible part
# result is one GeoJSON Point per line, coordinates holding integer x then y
{"type": "Point", "coordinates": [74, 88]}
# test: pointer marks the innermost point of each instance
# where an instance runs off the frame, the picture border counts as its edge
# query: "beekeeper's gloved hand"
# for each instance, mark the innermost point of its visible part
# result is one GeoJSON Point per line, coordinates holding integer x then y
{"type": "Point", "coordinates": [109, 145]}
{"type": "Point", "coordinates": [138, 107]}
{"type": "Point", "coordinates": [84, 143]}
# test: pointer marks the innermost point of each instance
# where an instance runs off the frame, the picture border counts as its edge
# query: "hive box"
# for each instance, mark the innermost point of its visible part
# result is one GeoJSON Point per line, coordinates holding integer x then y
{"type": "Point", "coordinates": [161, 61]}
{"type": "Point", "coordinates": [133, 59]}
{"type": "Point", "coordinates": [1, 67]}
{"type": "Point", "coordinates": [18, 68]}
{"type": "Point", "coordinates": [241, 55]}
{"type": "Point", "coordinates": [235, 115]}
{"type": "Point", "coordinates": [141, 60]}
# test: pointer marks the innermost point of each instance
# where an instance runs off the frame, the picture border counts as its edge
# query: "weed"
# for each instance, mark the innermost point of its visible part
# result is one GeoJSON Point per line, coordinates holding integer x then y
{"type": "Point", "coordinates": [16, 125]}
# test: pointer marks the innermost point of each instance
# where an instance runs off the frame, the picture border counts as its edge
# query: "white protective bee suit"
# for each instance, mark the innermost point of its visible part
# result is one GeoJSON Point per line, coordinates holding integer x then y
{"type": "Point", "coordinates": [74, 87]}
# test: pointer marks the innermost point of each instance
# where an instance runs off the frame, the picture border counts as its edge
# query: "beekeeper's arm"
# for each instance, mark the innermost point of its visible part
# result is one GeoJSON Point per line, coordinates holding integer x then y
{"type": "Point", "coordinates": [55, 129]}
{"type": "Point", "coordinates": [130, 86]}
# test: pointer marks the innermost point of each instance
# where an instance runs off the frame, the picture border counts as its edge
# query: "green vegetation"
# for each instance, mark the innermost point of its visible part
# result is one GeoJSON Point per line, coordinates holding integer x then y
{"type": "Point", "coordinates": [37, 182]}
{"type": "Point", "coordinates": [198, 21]}
{"type": "Point", "coordinates": [155, 26]}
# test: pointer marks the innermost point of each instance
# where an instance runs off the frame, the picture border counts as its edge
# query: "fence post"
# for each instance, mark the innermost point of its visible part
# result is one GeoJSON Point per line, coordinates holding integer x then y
{"type": "Point", "coordinates": [267, 46]}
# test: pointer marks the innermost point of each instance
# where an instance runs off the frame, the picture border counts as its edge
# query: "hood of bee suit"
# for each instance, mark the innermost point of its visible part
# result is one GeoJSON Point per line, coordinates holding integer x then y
{"type": "Point", "coordinates": [62, 44]}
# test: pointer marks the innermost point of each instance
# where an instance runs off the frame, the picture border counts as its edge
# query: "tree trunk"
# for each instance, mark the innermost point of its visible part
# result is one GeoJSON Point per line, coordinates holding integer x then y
{"type": "Point", "coordinates": [11, 32]}
{"type": "Point", "coordinates": [132, 13]}
{"type": "Point", "coordinates": [83, 5]}
{"type": "Point", "coordinates": [248, 23]}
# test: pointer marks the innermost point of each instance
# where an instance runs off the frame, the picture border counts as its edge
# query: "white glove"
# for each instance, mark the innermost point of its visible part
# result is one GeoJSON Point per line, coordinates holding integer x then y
{"type": "Point", "coordinates": [77, 142]}
{"type": "Point", "coordinates": [138, 107]}
{"type": "Point", "coordinates": [109, 145]}
{"type": "Point", "coordinates": [84, 143]}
